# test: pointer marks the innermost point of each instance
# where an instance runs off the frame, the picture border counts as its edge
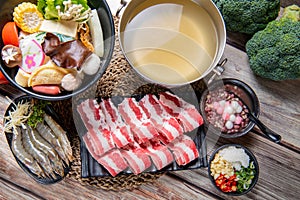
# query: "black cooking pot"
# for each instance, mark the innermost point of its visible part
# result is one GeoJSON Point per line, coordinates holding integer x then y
{"type": "Point", "coordinates": [107, 25]}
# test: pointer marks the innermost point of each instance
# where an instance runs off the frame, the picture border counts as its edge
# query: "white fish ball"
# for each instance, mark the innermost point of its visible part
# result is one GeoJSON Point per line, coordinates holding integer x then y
{"type": "Point", "coordinates": [91, 64]}
{"type": "Point", "coordinates": [71, 82]}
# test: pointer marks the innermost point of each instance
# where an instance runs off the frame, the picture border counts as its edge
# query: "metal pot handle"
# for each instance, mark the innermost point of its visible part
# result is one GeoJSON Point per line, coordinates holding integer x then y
{"type": "Point", "coordinates": [218, 70]}
{"type": "Point", "coordinates": [123, 4]}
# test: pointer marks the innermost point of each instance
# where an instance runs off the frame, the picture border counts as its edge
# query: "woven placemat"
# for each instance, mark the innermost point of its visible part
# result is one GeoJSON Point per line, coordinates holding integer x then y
{"type": "Point", "coordinates": [119, 79]}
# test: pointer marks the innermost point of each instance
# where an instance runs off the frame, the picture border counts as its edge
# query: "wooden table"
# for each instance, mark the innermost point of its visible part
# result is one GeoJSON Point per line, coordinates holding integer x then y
{"type": "Point", "coordinates": [279, 163]}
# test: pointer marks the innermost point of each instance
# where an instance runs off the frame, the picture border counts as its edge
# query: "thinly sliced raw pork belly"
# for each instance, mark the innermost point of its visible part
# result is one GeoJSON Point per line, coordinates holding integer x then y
{"type": "Point", "coordinates": [113, 162]}
{"type": "Point", "coordinates": [112, 116]}
{"type": "Point", "coordinates": [159, 154]}
{"type": "Point", "coordinates": [97, 131]}
{"type": "Point", "coordinates": [184, 150]}
{"type": "Point", "coordinates": [190, 119]}
{"type": "Point", "coordinates": [167, 125]}
{"type": "Point", "coordinates": [91, 115]}
{"type": "Point", "coordinates": [90, 146]}
{"type": "Point", "coordinates": [137, 160]}
{"type": "Point", "coordinates": [137, 134]}
{"type": "Point", "coordinates": [133, 115]}
{"type": "Point", "coordinates": [186, 113]}
{"type": "Point", "coordinates": [122, 136]}
{"type": "Point", "coordinates": [100, 140]}
{"type": "Point", "coordinates": [120, 132]}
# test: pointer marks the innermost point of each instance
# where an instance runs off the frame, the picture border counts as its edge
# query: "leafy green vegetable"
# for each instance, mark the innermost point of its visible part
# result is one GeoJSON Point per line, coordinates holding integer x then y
{"type": "Point", "coordinates": [38, 111]}
{"type": "Point", "coordinates": [41, 5]}
{"type": "Point", "coordinates": [245, 177]}
{"type": "Point", "coordinates": [248, 16]}
{"type": "Point", "coordinates": [59, 9]}
{"type": "Point", "coordinates": [274, 52]}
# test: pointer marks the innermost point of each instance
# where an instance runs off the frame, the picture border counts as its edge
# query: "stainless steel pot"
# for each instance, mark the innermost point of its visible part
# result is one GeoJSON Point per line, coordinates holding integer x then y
{"type": "Point", "coordinates": [135, 8]}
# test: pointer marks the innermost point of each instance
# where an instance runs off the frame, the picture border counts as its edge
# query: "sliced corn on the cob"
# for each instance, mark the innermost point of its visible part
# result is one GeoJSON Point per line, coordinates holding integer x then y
{"type": "Point", "coordinates": [27, 17]}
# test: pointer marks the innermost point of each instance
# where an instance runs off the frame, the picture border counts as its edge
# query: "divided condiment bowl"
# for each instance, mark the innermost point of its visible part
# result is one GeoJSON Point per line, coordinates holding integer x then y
{"type": "Point", "coordinates": [243, 179]}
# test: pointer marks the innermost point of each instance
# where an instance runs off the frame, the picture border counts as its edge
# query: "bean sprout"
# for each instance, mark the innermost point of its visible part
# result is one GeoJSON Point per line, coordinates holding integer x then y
{"type": "Point", "coordinates": [17, 115]}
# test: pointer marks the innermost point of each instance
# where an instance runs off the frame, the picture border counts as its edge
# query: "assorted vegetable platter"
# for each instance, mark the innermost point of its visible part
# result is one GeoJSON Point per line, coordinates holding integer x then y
{"type": "Point", "coordinates": [39, 144]}
{"type": "Point", "coordinates": [55, 48]}
{"type": "Point", "coordinates": [233, 169]}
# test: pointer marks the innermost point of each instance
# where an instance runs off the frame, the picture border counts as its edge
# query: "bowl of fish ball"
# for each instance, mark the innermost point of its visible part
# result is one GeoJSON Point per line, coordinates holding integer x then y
{"type": "Point", "coordinates": [233, 169]}
{"type": "Point", "coordinates": [39, 144]}
{"type": "Point", "coordinates": [54, 50]}
{"type": "Point", "coordinates": [223, 107]}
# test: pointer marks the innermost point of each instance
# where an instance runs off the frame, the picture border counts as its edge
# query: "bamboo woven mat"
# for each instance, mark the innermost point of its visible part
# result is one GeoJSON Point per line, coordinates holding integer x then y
{"type": "Point", "coordinates": [119, 79]}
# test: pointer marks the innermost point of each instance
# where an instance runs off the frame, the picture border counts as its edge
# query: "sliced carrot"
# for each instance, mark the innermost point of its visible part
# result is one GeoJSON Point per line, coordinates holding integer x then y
{"type": "Point", "coordinates": [3, 80]}
{"type": "Point", "coordinates": [10, 34]}
{"type": "Point", "coordinates": [47, 89]}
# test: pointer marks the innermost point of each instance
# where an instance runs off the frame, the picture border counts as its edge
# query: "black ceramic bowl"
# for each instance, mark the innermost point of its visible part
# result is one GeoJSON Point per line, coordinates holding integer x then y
{"type": "Point", "coordinates": [252, 159]}
{"type": "Point", "coordinates": [107, 24]}
{"type": "Point", "coordinates": [9, 136]}
{"type": "Point", "coordinates": [244, 91]}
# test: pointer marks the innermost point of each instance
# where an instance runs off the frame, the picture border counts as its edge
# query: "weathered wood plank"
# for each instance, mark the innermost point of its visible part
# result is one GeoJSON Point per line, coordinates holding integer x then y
{"type": "Point", "coordinates": [10, 91]}
{"type": "Point", "coordinates": [279, 176]}
{"type": "Point", "coordinates": [10, 191]}
{"type": "Point", "coordinates": [279, 167]}
{"type": "Point", "coordinates": [285, 3]}
{"type": "Point", "coordinates": [164, 188]}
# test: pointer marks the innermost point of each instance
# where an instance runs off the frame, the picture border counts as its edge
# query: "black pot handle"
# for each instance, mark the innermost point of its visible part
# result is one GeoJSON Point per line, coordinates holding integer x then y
{"type": "Point", "coordinates": [123, 4]}
{"type": "Point", "coordinates": [268, 132]}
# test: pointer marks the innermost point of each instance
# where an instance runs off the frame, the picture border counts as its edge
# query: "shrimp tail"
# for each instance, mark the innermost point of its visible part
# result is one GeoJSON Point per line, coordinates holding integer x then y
{"type": "Point", "coordinates": [37, 154]}
{"type": "Point", "coordinates": [43, 145]}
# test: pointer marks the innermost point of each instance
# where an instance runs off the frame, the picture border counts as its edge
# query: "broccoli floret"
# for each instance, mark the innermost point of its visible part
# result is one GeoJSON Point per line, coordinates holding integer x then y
{"type": "Point", "coordinates": [248, 16]}
{"type": "Point", "coordinates": [274, 52]}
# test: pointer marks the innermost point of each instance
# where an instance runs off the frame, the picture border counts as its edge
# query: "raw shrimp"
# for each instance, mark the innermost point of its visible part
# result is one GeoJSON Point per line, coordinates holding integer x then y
{"type": "Point", "coordinates": [25, 158]}
{"type": "Point", "coordinates": [49, 136]}
{"type": "Point", "coordinates": [60, 134]}
{"type": "Point", "coordinates": [40, 156]}
{"type": "Point", "coordinates": [43, 145]}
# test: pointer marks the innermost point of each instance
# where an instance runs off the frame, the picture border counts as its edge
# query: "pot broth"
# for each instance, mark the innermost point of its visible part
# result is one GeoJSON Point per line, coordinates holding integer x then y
{"type": "Point", "coordinates": [170, 42]}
